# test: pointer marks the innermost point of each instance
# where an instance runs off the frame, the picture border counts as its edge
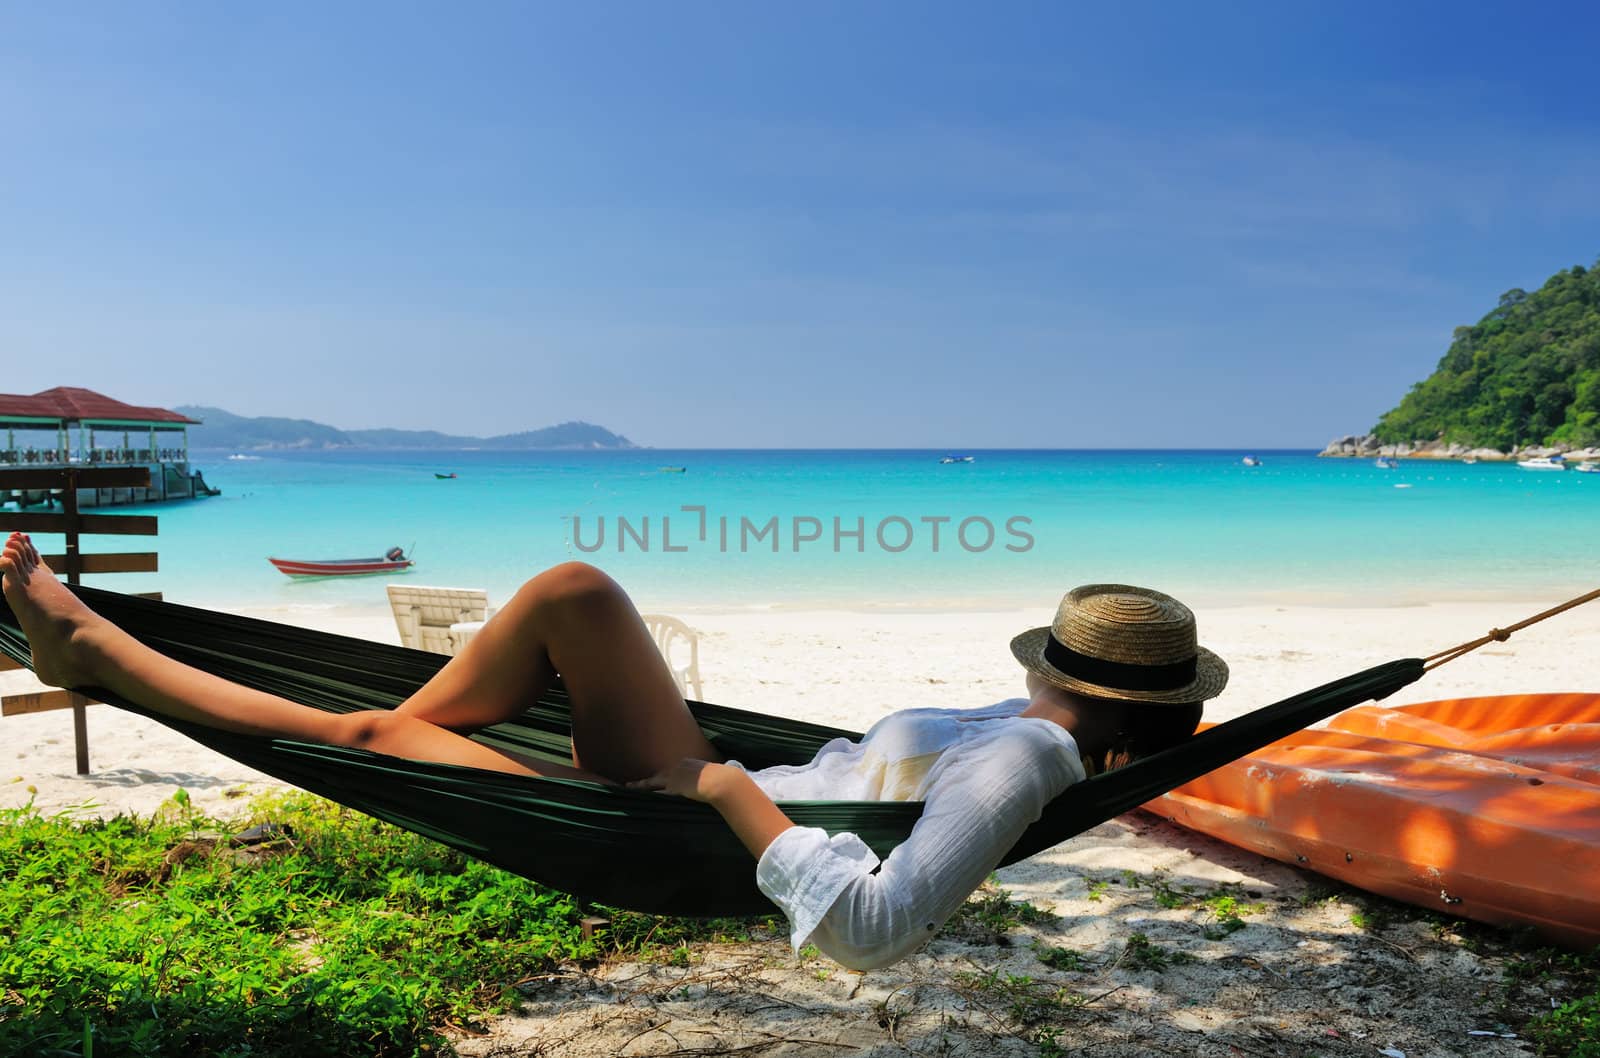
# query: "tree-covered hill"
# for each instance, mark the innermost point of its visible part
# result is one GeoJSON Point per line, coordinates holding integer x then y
{"type": "Point", "coordinates": [1528, 373]}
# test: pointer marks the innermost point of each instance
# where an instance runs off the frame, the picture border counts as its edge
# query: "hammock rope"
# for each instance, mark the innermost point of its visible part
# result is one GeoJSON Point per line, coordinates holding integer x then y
{"type": "Point", "coordinates": [1500, 635]}
{"type": "Point", "coordinates": [627, 848]}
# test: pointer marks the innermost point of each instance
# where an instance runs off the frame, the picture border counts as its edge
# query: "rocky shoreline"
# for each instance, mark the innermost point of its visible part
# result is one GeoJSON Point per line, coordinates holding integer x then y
{"type": "Point", "coordinates": [1366, 446]}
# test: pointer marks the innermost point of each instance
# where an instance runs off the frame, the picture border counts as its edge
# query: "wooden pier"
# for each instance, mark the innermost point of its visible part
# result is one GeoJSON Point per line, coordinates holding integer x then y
{"type": "Point", "coordinates": [108, 434]}
{"type": "Point", "coordinates": [167, 482]}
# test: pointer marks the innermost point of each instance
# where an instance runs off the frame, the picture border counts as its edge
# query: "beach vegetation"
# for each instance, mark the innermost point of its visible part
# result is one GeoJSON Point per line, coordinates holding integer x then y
{"type": "Point", "coordinates": [1224, 905]}
{"type": "Point", "coordinates": [1145, 954]}
{"type": "Point", "coordinates": [1048, 1040]}
{"type": "Point", "coordinates": [888, 1015]}
{"type": "Point", "coordinates": [1227, 914]}
{"type": "Point", "coordinates": [1527, 373]}
{"type": "Point", "coordinates": [1061, 958]}
{"type": "Point", "coordinates": [991, 914]}
{"type": "Point", "coordinates": [1320, 892]}
{"type": "Point", "coordinates": [1570, 1031]}
{"type": "Point", "coordinates": [342, 935]}
{"type": "Point", "coordinates": [1570, 983]}
{"type": "Point", "coordinates": [1022, 1000]}
{"type": "Point", "coordinates": [1371, 917]}
{"type": "Point", "coordinates": [1163, 890]}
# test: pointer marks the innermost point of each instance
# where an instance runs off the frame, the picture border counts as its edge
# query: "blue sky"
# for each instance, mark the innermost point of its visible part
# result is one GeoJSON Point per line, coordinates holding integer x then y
{"type": "Point", "coordinates": [997, 225]}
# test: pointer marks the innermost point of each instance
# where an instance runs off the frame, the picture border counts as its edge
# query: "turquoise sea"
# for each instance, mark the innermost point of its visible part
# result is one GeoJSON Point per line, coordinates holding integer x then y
{"type": "Point", "coordinates": [781, 527]}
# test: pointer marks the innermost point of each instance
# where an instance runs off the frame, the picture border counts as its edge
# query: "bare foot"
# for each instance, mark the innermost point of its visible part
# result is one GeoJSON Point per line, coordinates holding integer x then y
{"type": "Point", "coordinates": [59, 627]}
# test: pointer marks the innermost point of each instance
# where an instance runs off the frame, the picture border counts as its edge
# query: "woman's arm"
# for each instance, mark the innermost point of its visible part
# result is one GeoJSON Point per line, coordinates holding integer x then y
{"type": "Point", "coordinates": [750, 813]}
{"type": "Point", "coordinates": [982, 798]}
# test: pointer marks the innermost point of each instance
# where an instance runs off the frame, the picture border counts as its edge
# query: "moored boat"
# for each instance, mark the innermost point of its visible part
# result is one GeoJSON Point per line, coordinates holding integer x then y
{"type": "Point", "coordinates": [444, 477]}
{"type": "Point", "coordinates": [1587, 467]}
{"type": "Point", "coordinates": [393, 561]}
{"type": "Point", "coordinates": [956, 459]}
{"type": "Point", "coordinates": [1552, 463]}
{"type": "Point", "coordinates": [1487, 808]}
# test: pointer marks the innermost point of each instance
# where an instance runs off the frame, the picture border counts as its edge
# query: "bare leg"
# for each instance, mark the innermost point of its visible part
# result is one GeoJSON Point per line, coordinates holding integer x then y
{"type": "Point", "coordinates": [628, 719]}
{"type": "Point", "coordinates": [75, 647]}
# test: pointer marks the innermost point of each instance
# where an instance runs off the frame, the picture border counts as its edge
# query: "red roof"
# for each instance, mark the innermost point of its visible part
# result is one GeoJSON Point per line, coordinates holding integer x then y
{"type": "Point", "coordinates": [72, 403]}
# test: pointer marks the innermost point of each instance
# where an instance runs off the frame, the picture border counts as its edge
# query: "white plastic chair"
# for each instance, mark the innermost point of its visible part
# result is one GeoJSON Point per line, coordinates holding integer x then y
{"type": "Point", "coordinates": [431, 618]}
{"type": "Point", "coordinates": [675, 639]}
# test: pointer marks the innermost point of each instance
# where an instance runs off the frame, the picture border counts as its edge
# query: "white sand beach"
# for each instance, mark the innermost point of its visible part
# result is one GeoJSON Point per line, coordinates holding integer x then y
{"type": "Point", "coordinates": [1299, 971]}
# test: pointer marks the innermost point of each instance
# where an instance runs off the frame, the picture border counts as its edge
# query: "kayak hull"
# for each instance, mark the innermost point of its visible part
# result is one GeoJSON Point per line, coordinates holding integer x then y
{"type": "Point", "coordinates": [1486, 808]}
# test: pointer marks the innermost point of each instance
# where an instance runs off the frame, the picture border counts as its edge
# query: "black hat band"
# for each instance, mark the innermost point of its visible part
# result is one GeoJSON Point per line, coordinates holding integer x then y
{"type": "Point", "coordinates": [1122, 675]}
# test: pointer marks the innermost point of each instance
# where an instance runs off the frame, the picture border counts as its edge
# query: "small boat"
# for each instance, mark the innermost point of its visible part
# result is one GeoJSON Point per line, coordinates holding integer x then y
{"type": "Point", "coordinates": [444, 477]}
{"type": "Point", "coordinates": [393, 561]}
{"type": "Point", "coordinates": [1488, 808]}
{"type": "Point", "coordinates": [1385, 463]}
{"type": "Point", "coordinates": [242, 458]}
{"type": "Point", "coordinates": [673, 470]}
{"type": "Point", "coordinates": [1552, 463]}
{"type": "Point", "coordinates": [1587, 467]}
{"type": "Point", "coordinates": [956, 459]}
{"type": "Point", "coordinates": [1470, 460]}
{"type": "Point", "coordinates": [1250, 461]}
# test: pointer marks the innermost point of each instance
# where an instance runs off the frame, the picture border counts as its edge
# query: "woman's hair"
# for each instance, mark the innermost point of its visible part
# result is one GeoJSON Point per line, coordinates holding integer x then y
{"type": "Point", "coordinates": [1142, 730]}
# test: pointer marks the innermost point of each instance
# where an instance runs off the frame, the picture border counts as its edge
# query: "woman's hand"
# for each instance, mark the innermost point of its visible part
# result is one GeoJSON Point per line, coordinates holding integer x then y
{"type": "Point", "coordinates": [698, 780]}
{"type": "Point", "coordinates": [749, 812]}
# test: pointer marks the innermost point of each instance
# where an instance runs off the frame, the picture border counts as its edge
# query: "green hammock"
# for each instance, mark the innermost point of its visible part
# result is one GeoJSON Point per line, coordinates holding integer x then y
{"type": "Point", "coordinates": [644, 851]}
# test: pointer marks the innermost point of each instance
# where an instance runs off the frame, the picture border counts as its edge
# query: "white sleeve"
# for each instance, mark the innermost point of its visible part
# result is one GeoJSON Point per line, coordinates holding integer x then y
{"type": "Point", "coordinates": [803, 871]}
{"type": "Point", "coordinates": [974, 813]}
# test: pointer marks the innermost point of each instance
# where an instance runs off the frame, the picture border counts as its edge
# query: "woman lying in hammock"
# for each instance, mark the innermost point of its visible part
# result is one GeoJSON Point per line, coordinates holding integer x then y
{"type": "Point", "coordinates": [1118, 675]}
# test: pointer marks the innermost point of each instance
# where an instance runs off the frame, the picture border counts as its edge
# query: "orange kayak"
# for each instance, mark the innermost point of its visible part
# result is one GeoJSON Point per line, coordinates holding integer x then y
{"type": "Point", "coordinates": [1487, 808]}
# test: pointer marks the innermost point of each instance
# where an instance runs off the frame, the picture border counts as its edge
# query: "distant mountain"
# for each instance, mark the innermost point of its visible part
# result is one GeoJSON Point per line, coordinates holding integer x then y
{"type": "Point", "coordinates": [223, 429]}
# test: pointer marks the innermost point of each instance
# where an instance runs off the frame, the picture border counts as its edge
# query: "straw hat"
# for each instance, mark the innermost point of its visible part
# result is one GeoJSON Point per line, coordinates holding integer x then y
{"type": "Point", "coordinates": [1118, 641]}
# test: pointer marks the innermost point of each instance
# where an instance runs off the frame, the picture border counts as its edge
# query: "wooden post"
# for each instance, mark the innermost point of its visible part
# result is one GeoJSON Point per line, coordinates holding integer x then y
{"type": "Point", "coordinates": [80, 733]}
{"type": "Point", "coordinates": [69, 514]}
{"type": "Point", "coordinates": [71, 523]}
{"type": "Point", "coordinates": [74, 571]}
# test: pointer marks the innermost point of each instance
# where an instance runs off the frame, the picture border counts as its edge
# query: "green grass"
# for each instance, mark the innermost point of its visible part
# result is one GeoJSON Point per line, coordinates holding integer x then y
{"type": "Point", "coordinates": [1227, 913]}
{"type": "Point", "coordinates": [1023, 1001]}
{"type": "Point", "coordinates": [1060, 958]}
{"type": "Point", "coordinates": [991, 914]}
{"type": "Point", "coordinates": [1144, 954]}
{"type": "Point", "coordinates": [1572, 1030]}
{"type": "Point", "coordinates": [150, 936]}
{"type": "Point", "coordinates": [1224, 905]}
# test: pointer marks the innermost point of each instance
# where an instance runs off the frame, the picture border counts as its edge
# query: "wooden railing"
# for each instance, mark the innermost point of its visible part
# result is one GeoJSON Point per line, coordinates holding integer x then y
{"type": "Point", "coordinates": [72, 563]}
{"type": "Point", "coordinates": [49, 458]}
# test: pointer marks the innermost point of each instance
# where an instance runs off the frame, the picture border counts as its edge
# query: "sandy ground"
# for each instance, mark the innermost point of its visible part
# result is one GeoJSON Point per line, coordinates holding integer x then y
{"type": "Point", "coordinates": [1299, 977]}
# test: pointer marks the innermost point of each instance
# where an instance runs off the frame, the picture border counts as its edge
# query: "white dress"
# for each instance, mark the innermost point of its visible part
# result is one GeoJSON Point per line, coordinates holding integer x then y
{"type": "Point", "coordinates": [983, 775]}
